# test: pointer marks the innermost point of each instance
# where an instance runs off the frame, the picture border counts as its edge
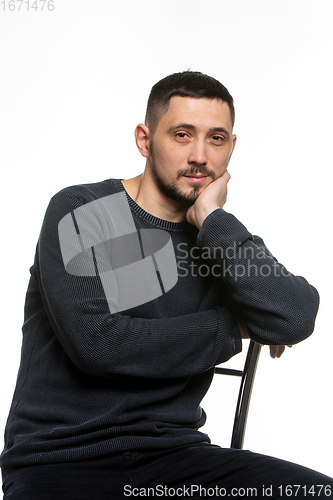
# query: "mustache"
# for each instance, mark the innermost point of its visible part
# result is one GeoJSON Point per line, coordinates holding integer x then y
{"type": "Point", "coordinates": [196, 170]}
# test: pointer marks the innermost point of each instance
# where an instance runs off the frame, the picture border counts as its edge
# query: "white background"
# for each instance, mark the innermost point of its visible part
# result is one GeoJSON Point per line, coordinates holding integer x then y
{"type": "Point", "coordinates": [73, 85]}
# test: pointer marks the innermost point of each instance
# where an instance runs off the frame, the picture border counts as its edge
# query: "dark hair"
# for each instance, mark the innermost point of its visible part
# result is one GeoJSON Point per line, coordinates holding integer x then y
{"type": "Point", "coordinates": [185, 84]}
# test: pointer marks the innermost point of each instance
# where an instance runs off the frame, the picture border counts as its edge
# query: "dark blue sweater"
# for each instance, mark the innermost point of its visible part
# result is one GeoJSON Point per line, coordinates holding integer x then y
{"type": "Point", "coordinates": [94, 382]}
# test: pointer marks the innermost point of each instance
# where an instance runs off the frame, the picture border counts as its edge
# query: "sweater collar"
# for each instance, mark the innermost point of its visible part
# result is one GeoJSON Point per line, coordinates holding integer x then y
{"type": "Point", "coordinates": [147, 217]}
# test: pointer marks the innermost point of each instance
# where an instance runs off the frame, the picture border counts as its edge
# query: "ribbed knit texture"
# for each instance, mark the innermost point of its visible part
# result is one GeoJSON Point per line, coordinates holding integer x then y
{"type": "Point", "coordinates": [92, 383]}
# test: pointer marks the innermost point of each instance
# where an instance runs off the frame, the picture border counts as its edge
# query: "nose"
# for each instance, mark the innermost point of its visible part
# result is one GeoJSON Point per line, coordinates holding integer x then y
{"type": "Point", "coordinates": [198, 153]}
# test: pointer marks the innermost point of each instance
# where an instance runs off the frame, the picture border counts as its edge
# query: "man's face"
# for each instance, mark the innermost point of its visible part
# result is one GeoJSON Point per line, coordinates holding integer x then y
{"type": "Point", "coordinates": [191, 147]}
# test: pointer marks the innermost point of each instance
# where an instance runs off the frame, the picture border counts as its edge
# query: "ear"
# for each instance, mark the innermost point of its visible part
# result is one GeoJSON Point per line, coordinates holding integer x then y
{"type": "Point", "coordinates": [142, 135]}
{"type": "Point", "coordinates": [234, 140]}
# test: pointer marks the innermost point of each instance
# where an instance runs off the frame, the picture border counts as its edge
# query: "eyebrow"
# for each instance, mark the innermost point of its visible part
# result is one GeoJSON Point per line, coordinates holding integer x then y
{"type": "Point", "coordinates": [192, 127]}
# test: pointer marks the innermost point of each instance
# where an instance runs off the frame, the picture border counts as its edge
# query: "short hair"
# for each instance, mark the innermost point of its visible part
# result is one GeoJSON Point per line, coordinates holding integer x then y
{"type": "Point", "coordinates": [185, 84]}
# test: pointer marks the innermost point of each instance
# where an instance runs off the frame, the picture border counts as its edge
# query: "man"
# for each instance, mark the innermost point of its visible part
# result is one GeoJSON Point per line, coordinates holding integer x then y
{"type": "Point", "coordinates": [124, 325]}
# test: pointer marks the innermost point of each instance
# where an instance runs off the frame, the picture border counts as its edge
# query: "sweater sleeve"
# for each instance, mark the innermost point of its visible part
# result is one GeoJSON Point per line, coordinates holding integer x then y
{"type": "Point", "coordinates": [277, 307]}
{"type": "Point", "coordinates": [102, 343]}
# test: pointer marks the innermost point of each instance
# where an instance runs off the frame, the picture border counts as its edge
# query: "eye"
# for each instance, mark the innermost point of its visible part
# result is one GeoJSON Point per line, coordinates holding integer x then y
{"type": "Point", "coordinates": [182, 136]}
{"type": "Point", "coordinates": [218, 138]}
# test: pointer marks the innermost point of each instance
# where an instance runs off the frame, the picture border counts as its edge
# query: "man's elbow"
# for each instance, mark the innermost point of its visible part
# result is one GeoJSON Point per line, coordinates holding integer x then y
{"type": "Point", "coordinates": [299, 323]}
{"type": "Point", "coordinates": [290, 324]}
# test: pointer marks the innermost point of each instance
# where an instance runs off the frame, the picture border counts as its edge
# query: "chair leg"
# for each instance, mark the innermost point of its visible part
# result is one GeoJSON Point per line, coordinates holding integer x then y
{"type": "Point", "coordinates": [245, 395]}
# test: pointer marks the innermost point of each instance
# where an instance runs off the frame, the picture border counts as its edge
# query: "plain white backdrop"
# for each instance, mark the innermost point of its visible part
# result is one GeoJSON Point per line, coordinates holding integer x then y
{"type": "Point", "coordinates": [74, 83]}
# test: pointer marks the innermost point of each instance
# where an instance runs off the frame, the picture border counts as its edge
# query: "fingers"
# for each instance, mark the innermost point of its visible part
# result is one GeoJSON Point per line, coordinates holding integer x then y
{"type": "Point", "coordinates": [226, 176]}
{"type": "Point", "coordinates": [243, 330]}
{"type": "Point", "coordinates": [276, 351]}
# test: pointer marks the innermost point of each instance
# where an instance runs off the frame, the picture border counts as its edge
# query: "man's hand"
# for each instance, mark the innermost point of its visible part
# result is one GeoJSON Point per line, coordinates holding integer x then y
{"type": "Point", "coordinates": [212, 197]}
{"type": "Point", "coordinates": [243, 330]}
{"type": "Point", "coordinates": [276, 351]}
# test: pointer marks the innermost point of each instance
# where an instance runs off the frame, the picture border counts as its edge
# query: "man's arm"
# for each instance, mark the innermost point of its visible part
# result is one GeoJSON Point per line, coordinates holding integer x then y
{"type": "Point", "coordinates": [275, 307]}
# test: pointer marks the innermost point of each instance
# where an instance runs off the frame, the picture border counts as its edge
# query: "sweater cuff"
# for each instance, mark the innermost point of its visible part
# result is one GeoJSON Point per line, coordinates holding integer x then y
{"type": "Point", "coordinates": [222, 227]}
{"type": "Point", "coordinates": [229, 340]}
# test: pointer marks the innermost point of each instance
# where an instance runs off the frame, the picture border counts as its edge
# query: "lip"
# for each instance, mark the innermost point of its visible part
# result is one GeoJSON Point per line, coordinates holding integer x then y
{"type": "Point", "coordinates": [197, 179]}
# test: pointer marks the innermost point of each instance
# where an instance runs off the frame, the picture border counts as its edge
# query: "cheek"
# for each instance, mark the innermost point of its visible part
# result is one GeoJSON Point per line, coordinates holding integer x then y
{"type": "Point", "coordinates": [222, 159]}
{"type": "Point", "coordinates": [168, 160]}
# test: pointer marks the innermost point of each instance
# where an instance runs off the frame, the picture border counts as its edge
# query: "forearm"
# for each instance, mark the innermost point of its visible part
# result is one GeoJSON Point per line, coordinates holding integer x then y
{"type": "Point", "coordinates": [277, 307]}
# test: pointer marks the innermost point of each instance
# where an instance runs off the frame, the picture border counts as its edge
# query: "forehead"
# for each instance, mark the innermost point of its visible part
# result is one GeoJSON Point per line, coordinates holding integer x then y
{"type": "Point", "coordinates": [199, 112]}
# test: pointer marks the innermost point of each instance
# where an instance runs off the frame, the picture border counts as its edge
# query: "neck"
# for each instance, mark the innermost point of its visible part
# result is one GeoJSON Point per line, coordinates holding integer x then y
{"type": "Point", "coordinates": [143, 190]}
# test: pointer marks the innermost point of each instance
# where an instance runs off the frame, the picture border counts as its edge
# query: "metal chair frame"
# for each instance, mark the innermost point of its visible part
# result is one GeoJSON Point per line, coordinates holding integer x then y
{"type": "Point", "coordinates": [245, 391]}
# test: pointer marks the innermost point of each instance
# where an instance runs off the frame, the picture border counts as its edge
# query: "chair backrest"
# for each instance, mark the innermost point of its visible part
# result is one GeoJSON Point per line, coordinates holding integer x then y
{"type": "Point", "coordinates": [245, 392]}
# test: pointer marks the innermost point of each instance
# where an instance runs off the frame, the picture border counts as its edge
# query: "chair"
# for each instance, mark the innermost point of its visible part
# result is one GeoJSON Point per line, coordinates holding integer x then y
{"type": "Point", "coordinates": [245, 391]}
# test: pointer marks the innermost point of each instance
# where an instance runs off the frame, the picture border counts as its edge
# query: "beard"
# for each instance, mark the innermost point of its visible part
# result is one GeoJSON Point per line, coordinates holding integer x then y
{"type": "Point", "coordinates": [172, 190]}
